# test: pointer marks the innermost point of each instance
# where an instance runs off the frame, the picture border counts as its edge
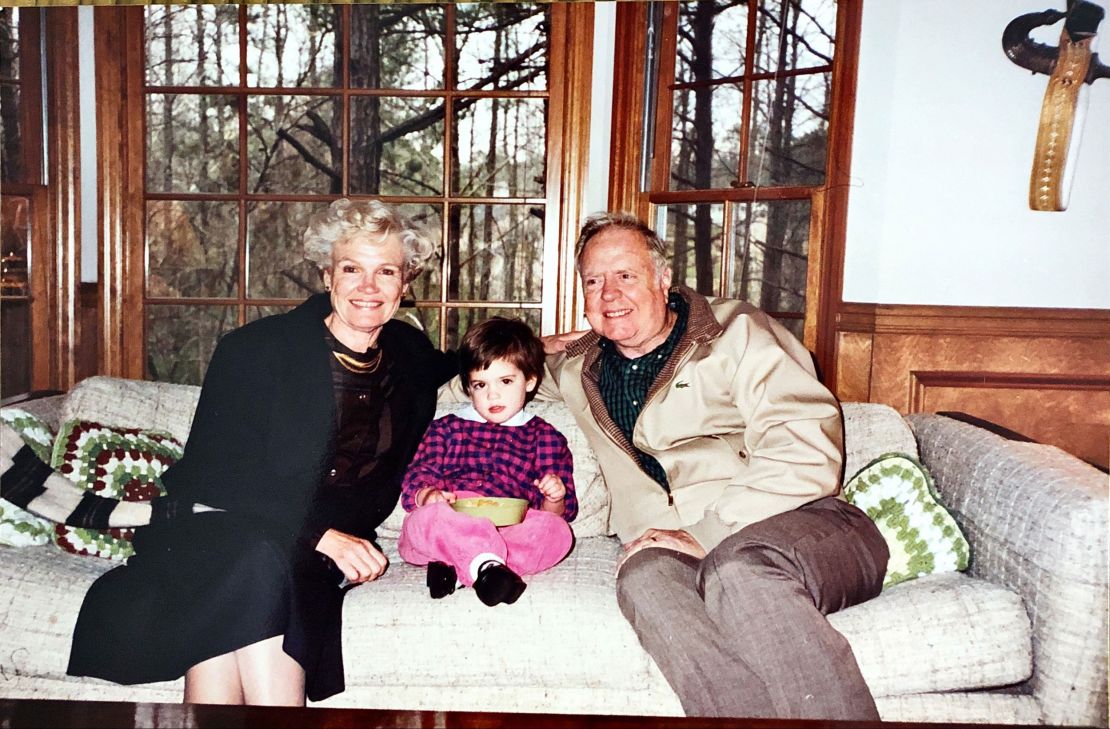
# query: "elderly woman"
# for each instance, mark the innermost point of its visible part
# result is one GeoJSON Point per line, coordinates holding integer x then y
{"type": "Point", "coordinates": [305, 425]}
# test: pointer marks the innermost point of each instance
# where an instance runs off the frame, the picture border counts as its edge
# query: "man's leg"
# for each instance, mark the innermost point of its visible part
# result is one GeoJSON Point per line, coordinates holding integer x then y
{"type": "Point", "coordinates": [656, 591]}
{"type": "Point", "coordinates": [770, 586]}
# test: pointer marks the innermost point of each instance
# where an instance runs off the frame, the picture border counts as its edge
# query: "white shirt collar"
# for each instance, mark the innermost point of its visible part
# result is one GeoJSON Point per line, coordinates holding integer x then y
{"type": "Point", "coordinates": [470, 413]}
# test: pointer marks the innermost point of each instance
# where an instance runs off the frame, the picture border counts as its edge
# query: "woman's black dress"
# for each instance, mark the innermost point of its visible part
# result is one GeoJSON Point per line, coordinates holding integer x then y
{"type": "Point", "coordinates": [289, 443]}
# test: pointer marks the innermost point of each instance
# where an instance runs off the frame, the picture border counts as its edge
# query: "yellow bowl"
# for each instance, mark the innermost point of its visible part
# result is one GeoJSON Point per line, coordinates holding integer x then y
{"type": "Point", "coordinates": [500, 510]}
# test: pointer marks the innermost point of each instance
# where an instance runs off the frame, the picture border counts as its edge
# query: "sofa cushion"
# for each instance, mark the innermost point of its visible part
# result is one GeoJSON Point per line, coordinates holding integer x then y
{"type": "Point", "coordinates": [942, 632]}
{"type": "Point", "coordinates": [898, 494]}
{"type": "Point", "coordinates": [160, 406]}
{"type": "Point", "coordinates": [41, 589]}
{"type": "Point", "coordinates": [565, 631]}
{"type": "Point", "coordinates": [18, 527]}
{"type": "Point", "coordinates": [589, 486]}
{"type": "Point", "coordinates": [871, 430]}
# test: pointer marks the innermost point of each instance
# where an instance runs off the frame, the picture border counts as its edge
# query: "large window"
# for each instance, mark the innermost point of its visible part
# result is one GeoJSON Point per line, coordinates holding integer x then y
{"type": "Point", "coordinates": [257, 116]}
{"type": "Point", "coordinates": [737, 140]}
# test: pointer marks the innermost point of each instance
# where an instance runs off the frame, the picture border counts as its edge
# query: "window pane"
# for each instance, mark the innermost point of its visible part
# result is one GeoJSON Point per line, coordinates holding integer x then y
{"type": "Point", "coordinates": [191, 249]}
{"type": "Point", "coordinates": [502, 146]}
{"type": "Point", "coordinates": [427, 286]}
{"type": "Point", "coordinates": [711, 40]}
{"type": "Point", "coordinates": [771, 247]}
{"type": "Point", "coordinates": [460, 320]}
{"type": "Point", "coordinates": [694, 232]}
{"type": "Point", "coordinates": [502, 45]}
{"type": "Point", "coordinates": [790, 125]}
{"type": "Point", "coordinates": [292, 45]}
{"type": "Point", "coordinates": [407, 52]}
{"type": "Point", "coordinates": [180, 340]}
{"type": "Point", "coordinates": [396, 145]}
{"type": "Point", "coordinates": [9, 43]}
{"type": "Point", "coordinates": [293, 144]}
{"type": "Point", "coordinates": [426, 319]}
{"type": "Point", "coordinates": [276, 267]}
{"type": "Point", "coordinates": [11, 137]}
{"type": "Point", "coordinates": [192, 143]}
{"type": "Point", "coordinates": [497, 253]}
{"type": "Point", "coordinates": [794, 34]}
{"type": "Point", "coordinates": [192, 45]}
{"type": "Point", "coordinates": [705, 143]}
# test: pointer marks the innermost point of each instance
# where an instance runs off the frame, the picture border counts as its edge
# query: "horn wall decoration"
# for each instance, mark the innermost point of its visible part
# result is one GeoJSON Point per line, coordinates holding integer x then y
{"type": "Point", "coordinates": [1070, 66]}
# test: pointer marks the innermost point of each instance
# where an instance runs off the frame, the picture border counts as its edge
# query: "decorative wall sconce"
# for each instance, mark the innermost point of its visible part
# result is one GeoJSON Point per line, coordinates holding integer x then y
{"type": "Point", "coordinates": [1070, 66]}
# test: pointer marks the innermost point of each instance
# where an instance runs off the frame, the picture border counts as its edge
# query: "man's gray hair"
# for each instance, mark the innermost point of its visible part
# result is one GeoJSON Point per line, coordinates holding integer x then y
{"type": "Point", "coordinates": [600, 222]}
{"type": "Point", "coordinates": [345, 218]}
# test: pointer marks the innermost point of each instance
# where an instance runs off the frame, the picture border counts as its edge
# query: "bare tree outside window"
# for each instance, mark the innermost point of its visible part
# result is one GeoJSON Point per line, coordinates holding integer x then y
{"type": "Point", "coordinates": [440, 109]}
{"type": "Point", "coordinates": [746, 99]}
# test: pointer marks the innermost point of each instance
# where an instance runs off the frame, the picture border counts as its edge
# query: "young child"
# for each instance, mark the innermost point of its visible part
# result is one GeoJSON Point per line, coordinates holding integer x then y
{"type": "Point", "coordinates": [493, 447]}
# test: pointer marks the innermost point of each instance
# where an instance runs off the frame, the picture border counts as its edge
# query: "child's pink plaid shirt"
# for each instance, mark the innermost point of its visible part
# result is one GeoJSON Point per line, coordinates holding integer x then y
{"type": "Point", "coordinates": [489, 459]}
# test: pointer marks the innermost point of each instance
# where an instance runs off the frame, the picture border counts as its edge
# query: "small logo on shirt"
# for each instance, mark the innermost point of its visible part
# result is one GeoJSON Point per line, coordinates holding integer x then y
{"type": "Point", "coordinates": [680, 385]}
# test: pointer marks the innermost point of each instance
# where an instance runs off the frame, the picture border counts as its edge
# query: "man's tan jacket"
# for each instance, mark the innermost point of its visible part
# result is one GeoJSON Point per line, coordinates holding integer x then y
{"type": "Point", "coordinates": [737, 419]}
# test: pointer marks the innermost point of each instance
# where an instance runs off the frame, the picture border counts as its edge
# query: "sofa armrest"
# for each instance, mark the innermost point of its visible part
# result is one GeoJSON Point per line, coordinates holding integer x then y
{"type": "Point", "coordinates": [1036, 520]}
{"type": "Point", "coordinates": [43, 404]}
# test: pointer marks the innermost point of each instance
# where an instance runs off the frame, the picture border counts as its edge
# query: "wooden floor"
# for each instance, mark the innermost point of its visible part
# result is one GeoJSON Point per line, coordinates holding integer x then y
{"type": "Point", "coordinates": [21, 713]}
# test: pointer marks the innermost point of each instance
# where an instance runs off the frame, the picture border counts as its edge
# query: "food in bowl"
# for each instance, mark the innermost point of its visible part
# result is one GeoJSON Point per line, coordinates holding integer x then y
{"type": "Point", "coordinates": [502, 511]}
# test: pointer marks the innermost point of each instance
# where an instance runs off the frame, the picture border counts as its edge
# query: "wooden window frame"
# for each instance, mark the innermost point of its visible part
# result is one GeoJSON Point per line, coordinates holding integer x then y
{"type": "Point", "coordinates": [824, 286]}
{"type": "Point", "coordinates": [120, 82]}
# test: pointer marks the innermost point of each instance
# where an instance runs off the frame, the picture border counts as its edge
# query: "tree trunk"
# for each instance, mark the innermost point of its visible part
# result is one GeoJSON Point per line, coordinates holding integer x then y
{"type": "Point", "coordinates": [366, 130]}
{"type": "Point", "coordinates": [702, 68]}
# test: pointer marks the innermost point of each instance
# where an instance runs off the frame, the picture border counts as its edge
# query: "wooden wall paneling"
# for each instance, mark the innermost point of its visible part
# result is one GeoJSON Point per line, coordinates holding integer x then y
{"type": "Point", "coordinates": [1044, 373]}
{"type": "Point", "coordinates": [1070, 412]}
{"type": "Point", "coordinates": [87, 355]}
{"type": "Point", "coordinates": [63, 199]}
{"type": "Point", "coordinates": [853, 371]}
{"type": "Point", "coordinates": [120, 131]}
{"type": "Point", "coordinates": [569, 145]}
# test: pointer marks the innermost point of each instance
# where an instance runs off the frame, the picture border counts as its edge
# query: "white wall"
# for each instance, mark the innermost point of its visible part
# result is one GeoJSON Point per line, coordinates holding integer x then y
{"type": "Point", "coordinates": [943, 145]}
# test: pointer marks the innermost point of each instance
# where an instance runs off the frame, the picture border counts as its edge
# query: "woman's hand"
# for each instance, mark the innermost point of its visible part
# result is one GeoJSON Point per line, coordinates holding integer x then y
{"type": "Point", "coordinates": [554, 493]}
{"type": "Point", "coordinates": [677, 539]}
{"type": "Point", "coordinates": [359, 560]}
{"type": "Point", "coordinates": [429, 495]}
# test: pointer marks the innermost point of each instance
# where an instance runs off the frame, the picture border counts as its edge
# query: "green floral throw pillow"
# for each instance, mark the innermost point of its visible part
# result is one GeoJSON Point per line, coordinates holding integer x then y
{"type": "Point", "coordinates": [19, 528]}
{"type": "Point", "coordinates": [899, 496]}
{"type": "Point", "coordinates": [116, 463]}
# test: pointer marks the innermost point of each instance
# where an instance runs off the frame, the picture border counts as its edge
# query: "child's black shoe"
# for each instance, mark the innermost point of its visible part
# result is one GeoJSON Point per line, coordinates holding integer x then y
{"type": "Point", "coordinates": [497, 583]}
{"type": "Point", "coordinates": [441, 579]}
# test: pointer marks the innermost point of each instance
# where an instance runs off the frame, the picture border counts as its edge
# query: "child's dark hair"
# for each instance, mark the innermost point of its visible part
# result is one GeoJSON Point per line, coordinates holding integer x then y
{"type": "Point", "coordinates": [499, 338]}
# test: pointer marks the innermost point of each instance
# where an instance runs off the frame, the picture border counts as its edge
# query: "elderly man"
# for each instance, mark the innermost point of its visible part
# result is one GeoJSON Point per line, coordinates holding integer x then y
{"type": "Point", "coordinates": [722, 451]}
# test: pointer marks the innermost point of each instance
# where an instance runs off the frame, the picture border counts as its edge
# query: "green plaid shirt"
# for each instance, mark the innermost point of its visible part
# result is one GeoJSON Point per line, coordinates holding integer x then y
{"type": "Point", "coordinates": [624, 383]}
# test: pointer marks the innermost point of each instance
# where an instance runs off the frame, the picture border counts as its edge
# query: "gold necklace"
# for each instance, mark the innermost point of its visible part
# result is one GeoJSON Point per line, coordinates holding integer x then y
{"type": "Point", "coordinates": [358, 367]}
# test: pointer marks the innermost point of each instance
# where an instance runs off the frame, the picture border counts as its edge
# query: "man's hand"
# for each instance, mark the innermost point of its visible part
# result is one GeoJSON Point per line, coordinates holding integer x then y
{"type": "Point", "coordinates": [555, 343]}
{"type": "Point", "coordinates": [677, 539]}
{"type": "Point", "coordinates": [359, 559]}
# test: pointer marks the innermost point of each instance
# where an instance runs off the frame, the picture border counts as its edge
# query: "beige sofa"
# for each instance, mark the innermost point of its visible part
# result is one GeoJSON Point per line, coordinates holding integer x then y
{"type": "Point", "coordinates": [1020, 638]}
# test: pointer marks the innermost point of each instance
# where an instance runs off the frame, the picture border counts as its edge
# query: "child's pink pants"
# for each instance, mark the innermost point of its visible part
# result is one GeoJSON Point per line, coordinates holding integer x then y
{"type": "Point", "coordinates": [438, 533]}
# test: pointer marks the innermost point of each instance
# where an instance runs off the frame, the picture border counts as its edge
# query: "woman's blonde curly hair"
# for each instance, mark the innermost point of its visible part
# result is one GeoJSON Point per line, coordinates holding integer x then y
{"type": "Point", "coordinates": [346, 217]}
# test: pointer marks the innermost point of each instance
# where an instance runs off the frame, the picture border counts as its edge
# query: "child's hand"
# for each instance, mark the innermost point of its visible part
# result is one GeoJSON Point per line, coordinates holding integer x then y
{"type": "Point", "coordinates": [552, 488]}
{"type": "Point", "coordinates": [429, 495]}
